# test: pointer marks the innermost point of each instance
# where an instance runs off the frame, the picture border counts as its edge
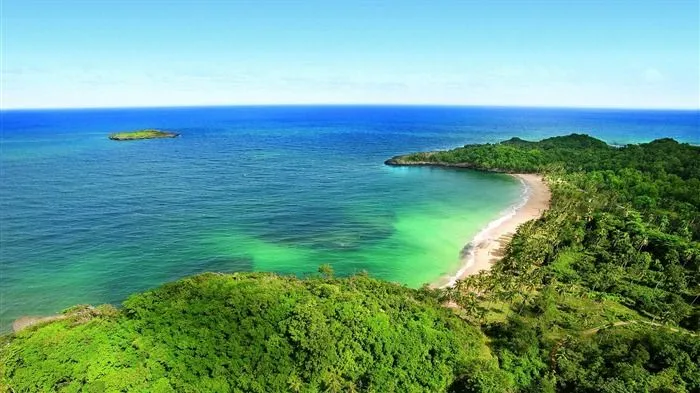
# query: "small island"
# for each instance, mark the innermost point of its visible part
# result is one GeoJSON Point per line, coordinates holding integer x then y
{"type": "Point", "coordinates": [142, 134]}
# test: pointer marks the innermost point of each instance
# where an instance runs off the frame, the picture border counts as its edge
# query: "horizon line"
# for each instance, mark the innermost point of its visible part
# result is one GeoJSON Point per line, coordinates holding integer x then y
{"type": "Point", "coordinates": [435, 105]}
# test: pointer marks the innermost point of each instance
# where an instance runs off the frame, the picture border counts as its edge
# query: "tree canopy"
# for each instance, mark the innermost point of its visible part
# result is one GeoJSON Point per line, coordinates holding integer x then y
{"type": "Point", "coordinates": [256, 333]}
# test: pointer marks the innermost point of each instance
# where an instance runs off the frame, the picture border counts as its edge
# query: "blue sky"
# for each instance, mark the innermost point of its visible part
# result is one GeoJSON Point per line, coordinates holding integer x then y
{"type": "Point", "coordinates": [593, 53]}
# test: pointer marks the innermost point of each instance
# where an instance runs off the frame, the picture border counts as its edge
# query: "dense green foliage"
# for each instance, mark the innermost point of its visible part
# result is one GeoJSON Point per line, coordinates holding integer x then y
{"type": "Point", "coordinates": [638, 360]}
{"type": "Point", "coordinates": [598, 295]}
{"type": "Point", "coordinates": [257, 333]}
{"type": "Point", "coordinates": [620, 242]}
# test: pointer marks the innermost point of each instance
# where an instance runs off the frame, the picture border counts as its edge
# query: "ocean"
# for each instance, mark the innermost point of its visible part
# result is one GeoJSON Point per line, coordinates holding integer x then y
{"type": "Point", "coordinates": [87, 220]}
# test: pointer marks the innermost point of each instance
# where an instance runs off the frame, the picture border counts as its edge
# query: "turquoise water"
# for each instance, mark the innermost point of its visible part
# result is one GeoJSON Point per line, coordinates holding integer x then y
{"type": "Point", "coordinates": [87, 220]}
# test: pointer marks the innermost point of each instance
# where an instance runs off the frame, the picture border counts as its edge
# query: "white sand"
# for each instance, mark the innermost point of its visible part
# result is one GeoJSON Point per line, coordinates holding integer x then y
{"type": "Point", "coordinates": [489, 244]}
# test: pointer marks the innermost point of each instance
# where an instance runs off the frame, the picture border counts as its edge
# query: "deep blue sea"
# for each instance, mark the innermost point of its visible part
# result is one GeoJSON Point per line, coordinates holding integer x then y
{"type": "Point", "coordinates": [84, 219]}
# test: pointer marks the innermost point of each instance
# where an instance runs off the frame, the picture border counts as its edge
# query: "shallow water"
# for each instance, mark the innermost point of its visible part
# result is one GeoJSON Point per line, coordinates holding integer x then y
{"type": "Point", "coordinates": [87, 220]}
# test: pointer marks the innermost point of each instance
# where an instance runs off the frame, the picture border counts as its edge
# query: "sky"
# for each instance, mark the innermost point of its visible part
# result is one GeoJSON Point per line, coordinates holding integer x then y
{"type": "Point", "coordinates": [132, 53]}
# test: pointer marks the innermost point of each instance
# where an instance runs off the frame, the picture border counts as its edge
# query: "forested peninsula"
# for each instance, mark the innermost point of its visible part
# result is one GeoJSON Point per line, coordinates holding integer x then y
{"type": "Point", "coordinates": [598, 295]}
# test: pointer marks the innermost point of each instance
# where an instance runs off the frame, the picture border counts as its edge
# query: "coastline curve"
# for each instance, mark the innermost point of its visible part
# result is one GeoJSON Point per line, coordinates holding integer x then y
{"type": "Point", "coordinates": [489, 244]}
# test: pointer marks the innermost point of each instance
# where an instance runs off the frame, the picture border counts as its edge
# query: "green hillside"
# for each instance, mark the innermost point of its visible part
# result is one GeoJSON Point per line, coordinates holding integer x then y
{"type": "Point", "coordinates": [256, 333]}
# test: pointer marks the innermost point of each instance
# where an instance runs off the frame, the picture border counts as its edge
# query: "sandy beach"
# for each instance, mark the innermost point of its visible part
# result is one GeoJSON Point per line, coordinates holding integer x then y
{"type": "Point", "coordinates": [489, 244]}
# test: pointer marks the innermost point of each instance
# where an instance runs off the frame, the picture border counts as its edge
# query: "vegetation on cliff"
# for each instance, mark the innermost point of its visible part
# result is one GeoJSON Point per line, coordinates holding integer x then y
{"type": "Point", "coordinates": [142, 134]}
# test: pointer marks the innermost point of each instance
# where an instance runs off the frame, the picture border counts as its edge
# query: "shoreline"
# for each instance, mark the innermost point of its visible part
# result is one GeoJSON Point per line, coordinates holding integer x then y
{"type": "Point", "coordinates": [488, 245]}
{"type": "Point", "coordinates": [486, 248]}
